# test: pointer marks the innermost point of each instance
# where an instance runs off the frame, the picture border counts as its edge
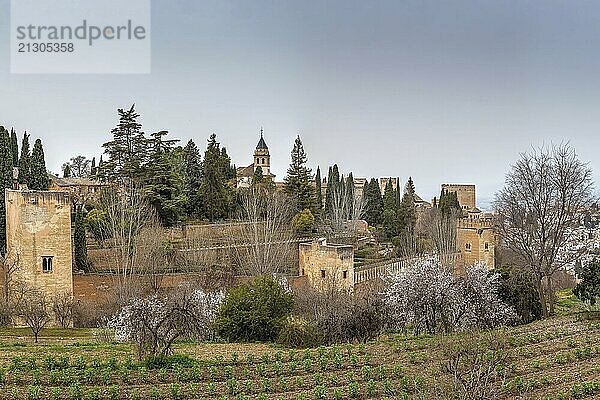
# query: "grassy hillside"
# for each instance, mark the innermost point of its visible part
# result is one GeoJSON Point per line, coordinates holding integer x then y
{"type": "Point", "coordinates": [554, 359]}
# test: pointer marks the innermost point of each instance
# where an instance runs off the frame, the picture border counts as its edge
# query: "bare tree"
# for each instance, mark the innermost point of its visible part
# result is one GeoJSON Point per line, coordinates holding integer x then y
{"type": "Point", "coordinates": [9, 265]}
{"type": "Point", "coordinates": [265, 244]}
{"type": "Point", "coordinates": [62, 307]}
{"type": "Point", "coordinates": [34, 308]}
{"type": "Point", "coordinates": [347, 209]}
{"type": "Point", "coordinates": [80, 166]}
{"type": "Point", "coordinates": [127, 214]}
{"type": "Point", "coordinates": [537, 209]}
{"type": "Point", "coordinates": [440, 229]}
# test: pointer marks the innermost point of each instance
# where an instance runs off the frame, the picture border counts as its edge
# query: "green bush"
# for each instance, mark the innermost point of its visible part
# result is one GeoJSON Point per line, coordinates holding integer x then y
{"type": "Point", "coordinates": [298, 333]}
{"type": "Point", "coordinates": [304, 221]}
{"type": "Point", "coordinates": [255, 311]}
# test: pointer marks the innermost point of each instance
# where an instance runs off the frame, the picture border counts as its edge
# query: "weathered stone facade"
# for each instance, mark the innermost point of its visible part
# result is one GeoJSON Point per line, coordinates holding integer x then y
{"type": "Point", "coordinates": [38, 233]}
{"type": "Point", "coordinates": [327, 264]}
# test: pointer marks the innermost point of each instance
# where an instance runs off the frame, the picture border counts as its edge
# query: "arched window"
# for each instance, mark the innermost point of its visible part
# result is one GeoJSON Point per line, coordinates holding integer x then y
{"type": "Point", "coordinates": [47, 264]}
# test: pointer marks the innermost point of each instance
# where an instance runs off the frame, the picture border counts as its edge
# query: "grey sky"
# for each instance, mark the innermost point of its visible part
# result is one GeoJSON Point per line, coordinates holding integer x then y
{"type": "Point", "coordinates": [442, 91]}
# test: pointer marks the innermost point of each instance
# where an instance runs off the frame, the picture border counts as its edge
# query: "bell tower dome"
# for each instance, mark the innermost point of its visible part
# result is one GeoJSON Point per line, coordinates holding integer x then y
{"type": "Point", "coordinates": [262, 158]}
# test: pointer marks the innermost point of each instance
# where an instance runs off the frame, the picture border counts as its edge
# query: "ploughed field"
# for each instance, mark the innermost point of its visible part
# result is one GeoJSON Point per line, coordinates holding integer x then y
{"type": "Point", "coordinates": [554, 359]}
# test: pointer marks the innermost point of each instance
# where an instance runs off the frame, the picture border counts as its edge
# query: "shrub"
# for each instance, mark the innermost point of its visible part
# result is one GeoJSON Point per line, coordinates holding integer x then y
{"type": "Point", "coordinates": [304, 222]}
{"type": "Point", "coordinates": [255, 311]}
{"type": "Point", "coordinates": [298, 333]}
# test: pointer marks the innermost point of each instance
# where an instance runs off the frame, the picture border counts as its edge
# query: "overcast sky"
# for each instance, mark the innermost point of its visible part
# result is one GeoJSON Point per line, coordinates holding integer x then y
{"type": "Point", "coordinates": [443, 91]}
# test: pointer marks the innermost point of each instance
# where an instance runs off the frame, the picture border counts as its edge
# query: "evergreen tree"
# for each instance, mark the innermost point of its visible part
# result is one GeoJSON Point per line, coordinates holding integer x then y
{"type": "Point", "coordinates": [333, 182]}
{"type": "Point", "coordinates": [297, 182]}
{"type": "Point", "coordinates": [24, 161]}
{"type": "Point", "coordinates": [128, 151]}
{"type": "Point", "coordinates": [408, 211]}
{"type": "Point", "coordinates": [93, 167]}
{"type": "Point", "coordinates": [79, 240]}
{"type": "Point", "coordinates": [390, 211]}
{"type": "Point", "coordinates": [38, 179]}
{"type": "Point", "coordinates": [318, 193]}
{"type": "Point", "coordinates": [373, 203]}
{"type": "Point", "coordinates": [350, 193]}
{"type": "Point", "coordinates": [67, 171]}
{"type": "Point", "coordinates": [14, 148]}
{"type": "Point", "coordinates": [215, 193]}
{"type": "Point", "coordinates": [165, 184]}
{"type": "Point", "coordinates": [257, 177]}
{"type": "Point", "coordinates": [193, 177]}
{"type": "Point", "coordinates": [448, 203]}
{"type": "Point", "coordinates": [6, 180]}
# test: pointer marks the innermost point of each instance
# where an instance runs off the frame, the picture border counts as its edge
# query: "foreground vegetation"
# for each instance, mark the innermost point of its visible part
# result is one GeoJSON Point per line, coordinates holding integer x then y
{"type": "Point", "coordinates": [557, 358]}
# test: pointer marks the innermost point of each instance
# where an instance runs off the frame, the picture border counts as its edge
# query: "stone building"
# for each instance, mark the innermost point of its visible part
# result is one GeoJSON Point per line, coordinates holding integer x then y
{"type": "Point", "coordinates": [38, 234]}
{"type": "Point", "coordinates": [326, 264]}
{"type": "Point", "coordinates": [476, 239]}
{"type": "Point", "coordinates": [475, 236]}
{"type": "Point", "coordinates": [465, 194]}
{"type": "Point", "coordinates": [262, 159]}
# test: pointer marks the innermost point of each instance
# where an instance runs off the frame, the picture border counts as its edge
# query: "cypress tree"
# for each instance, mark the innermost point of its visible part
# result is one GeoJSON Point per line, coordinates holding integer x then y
{"type": "Point", "coordinates": [193, 177]}
{"type": "Point", "coordinates": [24, 161]}
{"type": "Point", "coordinates": [333, 182]}
{"type": "Point", "coordinates": [297, 181]}
{"type": "Point", "coordinates": [257, 177]}
{"type": "Point", "coordinates": [38, 179]}
{"type": "Point", "coordinates": [67, 171]}
{"type": "Point", "coordinates": [6, 180]}
{"type": "Point", "coordinates": [408, 211]}
{"type": "Point", "coordinates": [214, 193]}
{"type": "Point", "coordinates": [374, 203]}
{"type": "Point", "coordinates": [79, 240]}
{"type": "Point", "coordinates": [318, 192]}
{"type": "Point", "coordinates": [349, 191]}
{"type": "Point", "coordinates": [390, 211]}
{"type": "Point", "coordinates": [14, 147]}
{"type": "Point", "coordinates": [93, 167]}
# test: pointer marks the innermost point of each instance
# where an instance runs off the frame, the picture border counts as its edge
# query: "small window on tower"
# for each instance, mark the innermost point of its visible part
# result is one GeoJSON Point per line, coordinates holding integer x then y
{"type": "Point", "coordinates": [47, 264]}
{"type": "Point", "coordinates": [345, 274]}
{"type": "Point", "coordinates": [322, 273]}
{"type": "Point", "coordinates": [468, 246]}
{"type": "Point", "coordinates": [486, 246]}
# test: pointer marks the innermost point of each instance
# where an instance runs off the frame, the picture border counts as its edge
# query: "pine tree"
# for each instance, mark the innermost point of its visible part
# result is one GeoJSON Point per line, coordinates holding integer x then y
{"type": "Point", "coordinates": [164, 185]}
{"type": "Point", "coordinates": [6, 180]}
{"type": "Point", "coordinates": [79, 240]}
{"type": "Point", "coordinates": [128, 151]}
{"type": "Point", "coordinates": [318, 193]}
{"type": "Point", "coordinates": [390, 211]}
{"type": "Point", "coordinates": [215, 193]}
{"type": "Point", "coordinates": [67, 171]}
{"type": "Point", "coordinates": [38, 179]}
{"type": "Point", "coordinates": [193, 177]}
{"type": "Point", "coordinates": [373, 203]}
{"type": "Point", "coordinates": [297, 181]}
{"type": "Point", "coordinates": [14, 147]}
{"type": "Point", "coordinates": [24, 161]}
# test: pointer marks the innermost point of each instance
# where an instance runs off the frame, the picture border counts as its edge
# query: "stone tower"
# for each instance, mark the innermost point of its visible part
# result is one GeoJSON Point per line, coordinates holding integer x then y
{"type": "Point", "coordinates": [262, 158]}
{"type": "Point", "coordinates": [38, 234]}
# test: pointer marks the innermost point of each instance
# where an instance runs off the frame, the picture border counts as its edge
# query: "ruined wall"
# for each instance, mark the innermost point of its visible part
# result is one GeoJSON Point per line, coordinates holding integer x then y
{"type": "Point", "coordinates": [324, 264]}
{"type": "Point", "coordinates": [465, 194]}
{"type": "Point", "coordinates": [38, 225]}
